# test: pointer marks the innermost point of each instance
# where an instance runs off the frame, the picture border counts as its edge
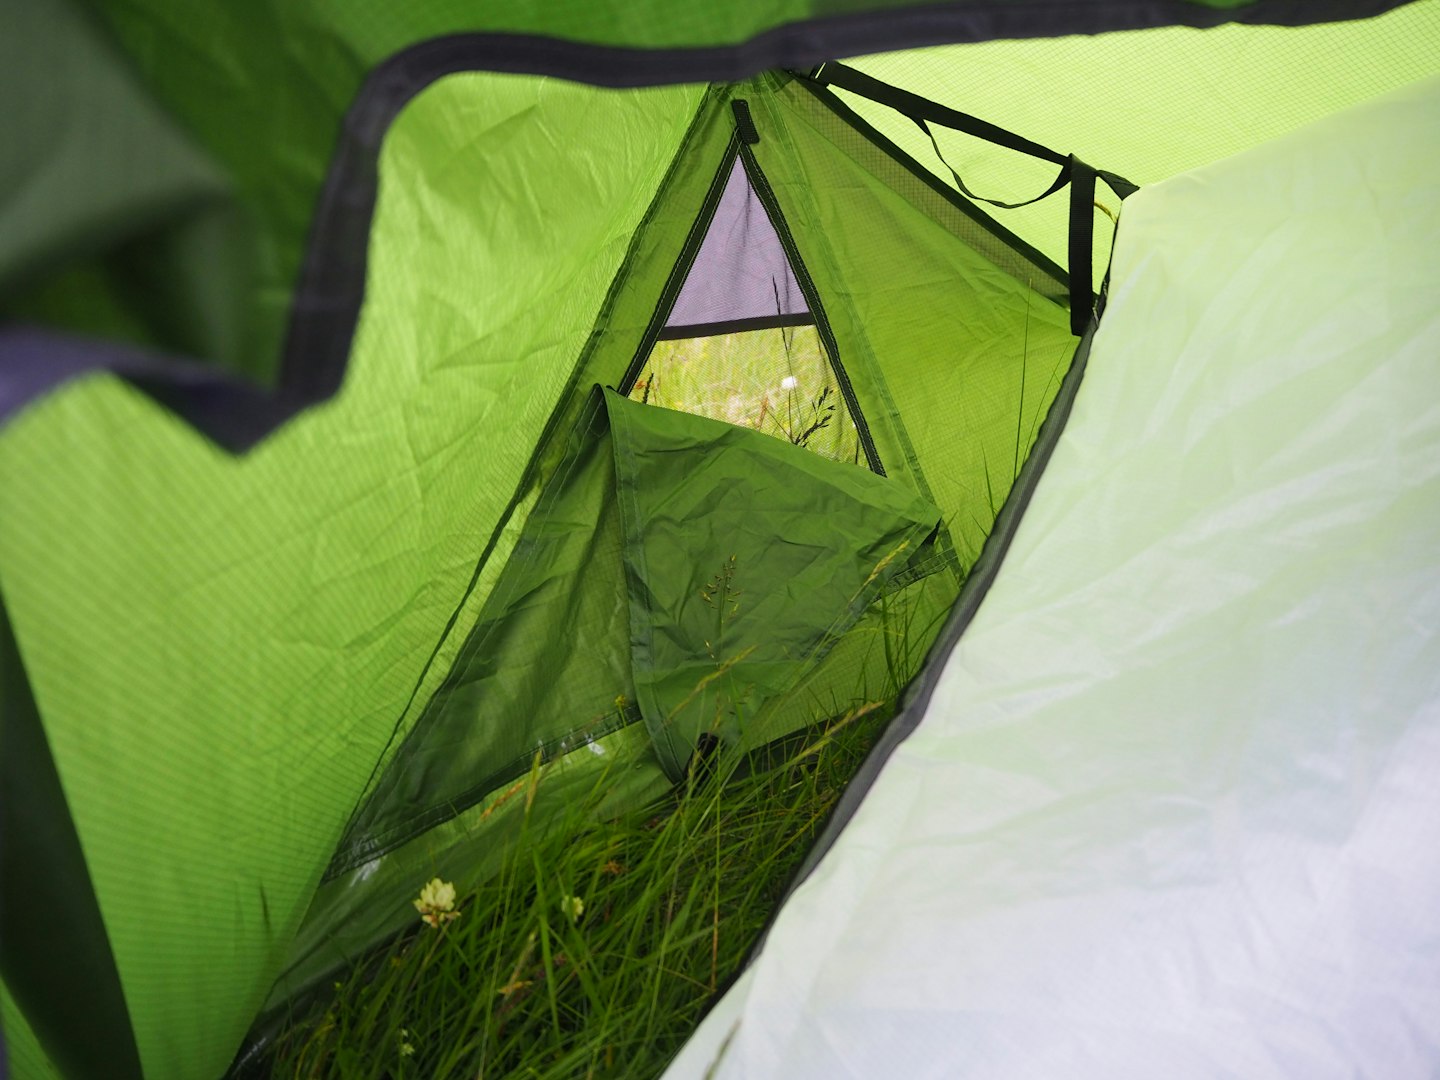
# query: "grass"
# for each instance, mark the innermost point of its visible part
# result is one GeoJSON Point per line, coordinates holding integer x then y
{"type": "Point", "coordinates": [673, 899]}
{"type": "Point", "coordinates": [778, 381]}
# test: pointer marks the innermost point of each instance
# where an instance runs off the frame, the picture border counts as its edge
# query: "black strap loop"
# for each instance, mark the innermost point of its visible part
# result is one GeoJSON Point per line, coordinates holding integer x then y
{"type": "Point", "coordinates": [1061, 179]}
{"type": "Point", "coordinates": [1117, 183]}
{"type": "Point", "coordinates": [1077, 174]}
{"type": "Point", "coordinates": [1082, 244]}
{"type": "Point", "coordinates": [744, 122]}
{"type": "Point", "coordinates": [923, 109]}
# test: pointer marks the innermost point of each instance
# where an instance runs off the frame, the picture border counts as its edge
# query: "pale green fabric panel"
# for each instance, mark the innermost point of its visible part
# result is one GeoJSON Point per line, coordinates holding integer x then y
{"type": "Point", "coordinates": [1146, 104]}
{"type": "Point", "coordinates": [221, 646]}
{"type": "Point", "coordinates": [1174, 798]}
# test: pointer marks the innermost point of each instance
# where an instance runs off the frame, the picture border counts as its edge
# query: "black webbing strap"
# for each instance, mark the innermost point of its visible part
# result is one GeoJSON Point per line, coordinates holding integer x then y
{"type": "Point", "coordinates": [744, 122]}
{"type": "Point", "coordinates": [1082, 244]}
{"type": "Point", "coordinates": [1061, 178]}
{"type": "Point", "coordinates": [1074, 172]}
{"type": "Point", "coordinates": [1123, 188]}
{"type": "Point", "coordinates": [920, 109]}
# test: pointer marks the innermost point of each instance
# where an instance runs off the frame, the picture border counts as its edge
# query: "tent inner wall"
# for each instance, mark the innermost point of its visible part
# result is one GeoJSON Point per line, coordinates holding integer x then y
{"type": "Point", "coordinates": [250, 628]}
{"type": "Point", "coordinates": [217, 71]}
{"type": "Point", "coordinates": [952, 362]}
{"type": "Point", "coordinates": [313, 546]}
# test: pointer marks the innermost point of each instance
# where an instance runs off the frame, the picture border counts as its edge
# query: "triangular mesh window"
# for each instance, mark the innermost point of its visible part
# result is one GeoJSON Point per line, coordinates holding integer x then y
{"type": "Point", "coordinates": [741, 343]}
{"type": "Point", "coordinates": [740, 274]}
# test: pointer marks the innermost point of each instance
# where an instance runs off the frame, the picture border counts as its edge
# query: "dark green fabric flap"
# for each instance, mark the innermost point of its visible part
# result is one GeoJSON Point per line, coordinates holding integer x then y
{"type": "Point", "coordinates": [745, 558]}
{"type": "Point", "coordinates": [55, 954]}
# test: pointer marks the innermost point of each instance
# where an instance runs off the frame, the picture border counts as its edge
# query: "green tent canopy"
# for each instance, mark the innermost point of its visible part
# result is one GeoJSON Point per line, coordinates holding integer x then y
{"type": "Point", "coordinates": [394, 396]}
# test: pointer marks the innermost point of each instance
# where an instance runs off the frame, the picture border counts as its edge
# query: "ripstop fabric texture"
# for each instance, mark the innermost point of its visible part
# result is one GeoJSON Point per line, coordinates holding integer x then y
{"type": "Point", "coordinates": [278, 609]}
{"type": "Point", "coordinates": [281, 687]}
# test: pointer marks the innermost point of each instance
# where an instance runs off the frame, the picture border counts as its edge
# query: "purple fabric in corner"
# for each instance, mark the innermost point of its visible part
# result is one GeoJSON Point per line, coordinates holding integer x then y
{"type": "Point", "coordinates": [233, 412]}
{"type": "Point", "coordinates": [33, 363]}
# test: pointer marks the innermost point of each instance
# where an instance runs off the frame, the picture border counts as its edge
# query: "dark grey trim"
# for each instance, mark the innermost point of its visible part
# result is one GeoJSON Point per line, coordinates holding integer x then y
{"type": "Point", "coordinates": [829, 37]}
{"type": "Point", "coordinates": [735, 326]}
{"type": "Point", "coordinates": [229, 409]}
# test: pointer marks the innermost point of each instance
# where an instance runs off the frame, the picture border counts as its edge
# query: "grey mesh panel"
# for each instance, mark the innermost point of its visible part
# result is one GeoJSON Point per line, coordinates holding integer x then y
{"type": "Point", "coordinates": [740, 271]}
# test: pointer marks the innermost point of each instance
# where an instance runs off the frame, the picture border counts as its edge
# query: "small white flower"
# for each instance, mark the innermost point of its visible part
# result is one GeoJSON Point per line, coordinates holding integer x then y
{"type": "Point", "coordinates": [437, 903]}
{"type": "Point", "coordinates": [789, 382]}
{"type": "Point", "coordinates": [573, 906]}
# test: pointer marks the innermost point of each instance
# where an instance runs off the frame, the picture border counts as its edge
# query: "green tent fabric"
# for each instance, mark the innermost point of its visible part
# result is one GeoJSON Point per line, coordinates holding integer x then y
{"type": "Point", "coordinates": [712, 595]}
{"type": "Point", "coordinates": [309, 580]}
{"type": "Point", "coordinates": [313, 530]}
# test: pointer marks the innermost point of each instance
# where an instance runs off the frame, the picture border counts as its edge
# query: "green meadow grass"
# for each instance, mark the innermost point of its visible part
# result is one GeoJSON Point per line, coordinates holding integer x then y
{"type": "Point", "coordinates": [520, 985]}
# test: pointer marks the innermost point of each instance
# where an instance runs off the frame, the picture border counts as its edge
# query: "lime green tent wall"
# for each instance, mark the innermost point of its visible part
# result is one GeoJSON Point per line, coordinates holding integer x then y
{"type": "Point", "coordinates": [307, 312]}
